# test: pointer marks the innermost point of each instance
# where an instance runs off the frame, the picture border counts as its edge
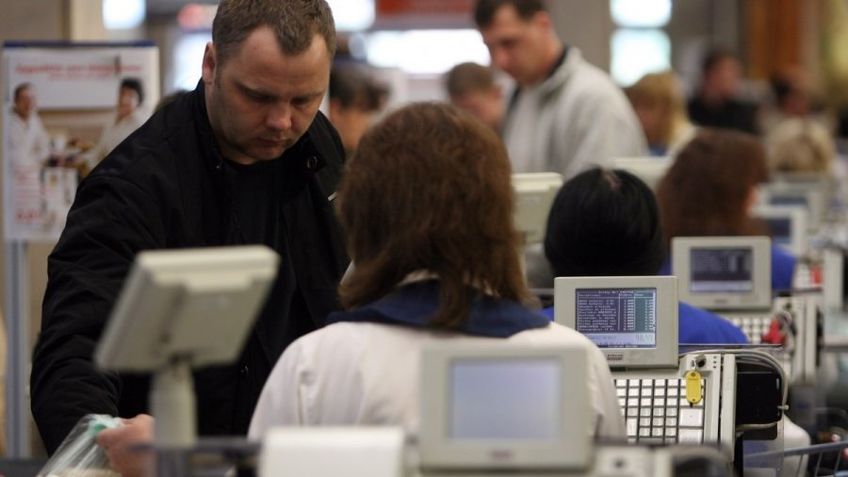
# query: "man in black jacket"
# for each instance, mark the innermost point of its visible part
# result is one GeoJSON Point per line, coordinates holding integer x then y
{"type": "Point", "coordinates": [244, 158]}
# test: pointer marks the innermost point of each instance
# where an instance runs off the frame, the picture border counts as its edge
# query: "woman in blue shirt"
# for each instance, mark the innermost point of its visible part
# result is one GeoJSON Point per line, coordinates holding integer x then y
{"type": "Point", "coordinates": [710, 191]}
{"type": "Point", "coordinates": [606, 223]}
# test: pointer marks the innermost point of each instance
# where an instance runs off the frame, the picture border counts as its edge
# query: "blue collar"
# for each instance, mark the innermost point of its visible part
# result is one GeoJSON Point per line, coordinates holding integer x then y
{"type": "Point", "coordinates": [415, 304]}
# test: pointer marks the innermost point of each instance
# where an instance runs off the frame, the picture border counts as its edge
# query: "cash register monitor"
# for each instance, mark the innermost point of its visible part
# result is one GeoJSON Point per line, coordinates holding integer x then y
{"type": "Point", "coordinates": [812, 199]}
{"type": "Point", "coordinates": [503, 406]}
{"type": "Point", "coordinates": [193, 304]}
{"type": "Point", "coordinates": [633, 320]}
{"type": "Point", "coordinates": [178, 310]}
{"type": "Point", "coordinates": [534, 195]}
{"type": "Point", "coordinates": [788, 226]}
{"type": "Point", "coordinates": [723, 273]}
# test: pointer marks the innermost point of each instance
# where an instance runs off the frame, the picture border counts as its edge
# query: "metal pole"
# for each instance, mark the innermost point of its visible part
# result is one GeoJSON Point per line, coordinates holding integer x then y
{"type": "Point", "coordinates": [17, 351]}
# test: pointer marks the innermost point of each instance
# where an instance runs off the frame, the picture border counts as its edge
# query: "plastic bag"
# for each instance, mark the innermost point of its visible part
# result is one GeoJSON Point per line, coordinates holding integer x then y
{"type": "Point", "coordinates": [79, 455]}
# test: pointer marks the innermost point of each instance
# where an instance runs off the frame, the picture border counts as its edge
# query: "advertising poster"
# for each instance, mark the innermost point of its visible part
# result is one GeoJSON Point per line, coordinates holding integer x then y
{"type": "Point", "coordinates": [65, 106]}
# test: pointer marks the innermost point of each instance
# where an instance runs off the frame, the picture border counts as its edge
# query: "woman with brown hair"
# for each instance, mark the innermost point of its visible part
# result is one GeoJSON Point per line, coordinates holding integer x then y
{"type": "Point", "coordinates": [710, 191]}
{"type": "Point", "coordinates": [427, 204]}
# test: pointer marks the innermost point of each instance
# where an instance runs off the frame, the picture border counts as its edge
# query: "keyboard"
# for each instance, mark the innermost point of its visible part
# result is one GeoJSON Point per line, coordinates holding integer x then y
{"type": "Point", "coordinates": [754, 326]}
{"type": "Point", "coordinates": [656, 411]}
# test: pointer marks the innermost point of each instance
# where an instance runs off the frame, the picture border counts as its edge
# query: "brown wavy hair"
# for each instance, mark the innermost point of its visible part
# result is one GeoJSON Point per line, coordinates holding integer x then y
{"type": "Point", "coordinates": [429, 188]}
{"type": "Point", "coordinates": [706, 190]}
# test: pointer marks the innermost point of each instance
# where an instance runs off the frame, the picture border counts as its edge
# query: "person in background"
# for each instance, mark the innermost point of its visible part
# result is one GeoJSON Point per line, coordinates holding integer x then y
{"type": "Point", "coordinates": [716, 103]}
{"type": "Point", "coordinates": [355, 99]}
{"type": "Point", "coordinates": [28, 142]}
{"type": "Point", "coordinates": [426, 204]}
{"type": "Point", "coordinates": [710, 191]}
{"type": "Point", "coordinates": [800, 145]}
{"type": "Point", "coordinates": [472, 87]}
{"type": "Point", "coordinates": [565, 115]}
{"type": "Point", "coordinates": [660, 106]}
{"type": "Point", "coordinates": [127, 119]}
{"type": "Point", "coordinates": [606, 223]}
{"type": "Point", "coordinates": [245, 158]}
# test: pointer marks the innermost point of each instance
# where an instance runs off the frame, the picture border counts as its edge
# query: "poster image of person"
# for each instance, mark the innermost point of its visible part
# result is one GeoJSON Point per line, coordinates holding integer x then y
{"type": "Point", "coordinates": [27, 150]}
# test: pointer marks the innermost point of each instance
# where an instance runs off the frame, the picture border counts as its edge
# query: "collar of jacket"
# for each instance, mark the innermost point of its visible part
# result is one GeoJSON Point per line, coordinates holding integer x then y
{"type": "Point", "coordinates": [414, 304]}
{"type": "Point", "coordinates": [301, 156]}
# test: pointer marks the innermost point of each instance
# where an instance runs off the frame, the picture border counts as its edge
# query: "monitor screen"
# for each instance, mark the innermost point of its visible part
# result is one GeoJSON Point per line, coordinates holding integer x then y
{"type": "Point", "coordinates": [617, 317]}
{"type": "Point", "coordinates": [781, 230]}
{"type": "Point", "coordinates": [721, 270]}
{"type": "Point", "coordinates": [775, 199]}
{"type": "Point", "coordinates": [505, 399]}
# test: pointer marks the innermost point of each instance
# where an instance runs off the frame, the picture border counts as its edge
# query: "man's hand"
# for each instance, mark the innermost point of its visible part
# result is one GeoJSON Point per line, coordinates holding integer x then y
{"type": "Point", "coordinates": [119, 445]}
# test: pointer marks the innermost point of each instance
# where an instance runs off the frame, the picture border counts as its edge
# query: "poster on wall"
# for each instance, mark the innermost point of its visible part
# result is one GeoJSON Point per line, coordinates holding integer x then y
{"type": "Point", "coordinates": [65, 106]}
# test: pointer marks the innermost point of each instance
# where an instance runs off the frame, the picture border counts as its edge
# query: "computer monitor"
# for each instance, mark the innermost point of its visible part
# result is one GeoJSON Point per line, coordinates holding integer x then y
{"type": "Point", "coordinates": [180, 309]}
{"type": "Point", "coordinates": [489, 406]}
{"type": "Point", "coordinates": [723, 273]}
{"type": "Point", "coordinates": [787, 225]}
{"type": "Point", "coordinates": [535, 193]}
{"type": "Point", "coordinates": [633, 320]}
{"type": "Point", "coordinates": [798, 195]}
{"type": "Point", "coordinates": [650, 169]}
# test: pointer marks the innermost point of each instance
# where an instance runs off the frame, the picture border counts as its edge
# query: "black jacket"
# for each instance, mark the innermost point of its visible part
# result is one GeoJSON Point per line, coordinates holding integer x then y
{"type": "Point", "coordinates": [166, 186]}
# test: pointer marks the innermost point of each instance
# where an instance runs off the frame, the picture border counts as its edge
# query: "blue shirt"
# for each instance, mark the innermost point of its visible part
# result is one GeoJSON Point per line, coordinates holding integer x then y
{"type": "Point", "coordinates": [782, 268]}
{"type": "Point", "coordinates": [697, 326]}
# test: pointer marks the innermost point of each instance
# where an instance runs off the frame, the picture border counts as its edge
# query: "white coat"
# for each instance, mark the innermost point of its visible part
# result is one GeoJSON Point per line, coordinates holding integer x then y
{"type": "Point", "coordinates": [361, 373]}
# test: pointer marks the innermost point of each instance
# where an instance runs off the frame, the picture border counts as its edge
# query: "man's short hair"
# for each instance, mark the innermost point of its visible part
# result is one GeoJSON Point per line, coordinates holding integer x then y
{"type": "Point", "coordinates": [294, 22]}
{"type": "Point", "coordinates": [20, 88]}
{"type": "Point", "coordinates": [353, 86]}
{"type": "Point", "coordinates": [484, 10]}
{"type": "Point", "coordinates": [135, 85]}
{"type": "Point", "coordinates": [469, 77]}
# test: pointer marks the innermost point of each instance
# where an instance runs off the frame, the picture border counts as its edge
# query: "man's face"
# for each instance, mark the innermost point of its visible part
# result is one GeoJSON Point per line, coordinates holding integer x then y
{"type": "Point", "coordinates": [486, 106]}
{"type": "Point", "coordinates": [261, 101]}
{"type": "Point", "coordinates": [25, 102]}
{"type": "Point", "coordinates": [724, 77]}
{"type": "Point", "coordinates": [517, 46]}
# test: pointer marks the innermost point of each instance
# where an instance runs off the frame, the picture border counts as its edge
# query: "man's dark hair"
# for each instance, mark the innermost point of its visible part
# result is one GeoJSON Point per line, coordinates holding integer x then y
{"type": "Point", "coordinates": [714, 57]}
{"type": "Point", "coordinates": [468, 77]}
{"type": "Point", "coordinates": [484, 10]}
{"type": "Point", "coordinates": [353, 86]}
{"type": "Point", "coordinates": [294, 22]}
{"type": "Point", "coordinates": [20, 88]}
{"type": "Point", "coordinates": [604, 223]}
{"type": "Point", "coordinates": [135, 85]}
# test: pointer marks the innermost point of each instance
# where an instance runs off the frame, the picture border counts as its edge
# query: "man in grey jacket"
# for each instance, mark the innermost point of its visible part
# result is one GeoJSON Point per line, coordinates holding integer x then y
{"type": "Point", "coordinates": [565, 115]}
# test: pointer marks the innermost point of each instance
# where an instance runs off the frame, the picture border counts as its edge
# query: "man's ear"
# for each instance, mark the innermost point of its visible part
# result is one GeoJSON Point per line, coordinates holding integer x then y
{"type": "Point", "coordinates": [543, 20]}
{"type": "Point", "coordinates": [210, 62]}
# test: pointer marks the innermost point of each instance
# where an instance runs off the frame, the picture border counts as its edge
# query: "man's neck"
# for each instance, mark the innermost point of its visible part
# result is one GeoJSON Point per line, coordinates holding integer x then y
{"type": "Point", "coordinates": [552, 56]}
